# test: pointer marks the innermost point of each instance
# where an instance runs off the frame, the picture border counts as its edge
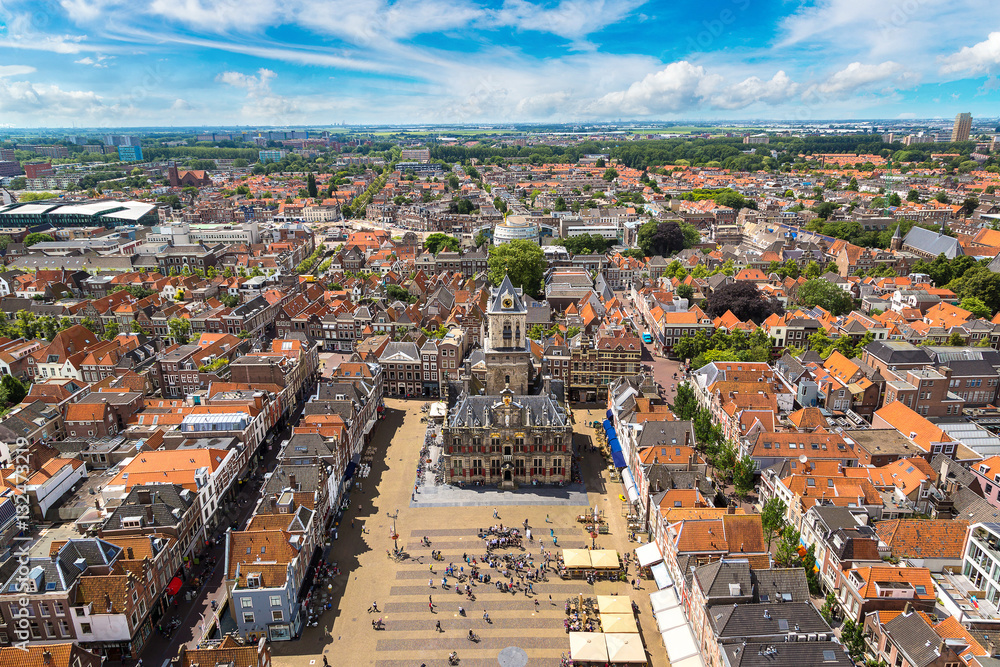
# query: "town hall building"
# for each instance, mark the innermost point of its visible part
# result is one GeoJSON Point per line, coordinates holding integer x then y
{"type": "Point", "coordinates": [500, 434]}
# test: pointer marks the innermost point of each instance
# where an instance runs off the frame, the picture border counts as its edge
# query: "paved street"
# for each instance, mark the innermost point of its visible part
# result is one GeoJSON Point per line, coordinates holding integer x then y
{"type": "Point", "coordinates": [401, 589]}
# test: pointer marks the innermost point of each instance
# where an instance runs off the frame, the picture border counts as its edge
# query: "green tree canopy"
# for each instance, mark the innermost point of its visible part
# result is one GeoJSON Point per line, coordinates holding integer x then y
{"type": "Point", "coordinates": [522, 261]}
{"type": "Point", "coordinates": [36, 237]}
{"type": "Point", "coordinates": [819, 292]}
{"type": "Point", "coordinates": [437, 242]}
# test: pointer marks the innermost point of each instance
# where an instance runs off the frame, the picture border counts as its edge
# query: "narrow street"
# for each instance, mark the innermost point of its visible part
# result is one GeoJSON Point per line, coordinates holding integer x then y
{"type": "Point", "coordinates": [195, 615]}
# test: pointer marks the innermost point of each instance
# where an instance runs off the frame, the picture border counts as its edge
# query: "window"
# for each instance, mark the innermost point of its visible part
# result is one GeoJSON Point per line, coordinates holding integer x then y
{"type": "Point", "coordinates": [275, 600]}
{"type": "Point", "coordinates": [85, 628]}
{"type": "Point", "coordinates": [276, 615]}
{"type": "Point", "coordinates": [246, 602]}
{"type": "Point", "coordinates": [248, 618]}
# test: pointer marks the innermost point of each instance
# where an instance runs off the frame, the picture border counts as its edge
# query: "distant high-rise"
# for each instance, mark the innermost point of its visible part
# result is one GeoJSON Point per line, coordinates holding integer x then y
{"type": "Point", "coordinates": [963, 127]}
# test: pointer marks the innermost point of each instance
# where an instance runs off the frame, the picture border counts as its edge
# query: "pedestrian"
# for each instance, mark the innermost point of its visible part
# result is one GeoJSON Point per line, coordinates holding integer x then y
{"type": "Point", "coordinates": [550, 600]}
{"type": "Point", "coordinates": [438, 627]}
{"type": "Point", "coordinates": [325, 663]}
{"type": "Point", "coordinates": [536, 603]}
{"type": "Point", "coordinates": [430, 607]}
{"type": "Point", "coordinates": [495, 515]}
{"type": "Point", "coordinates": [352, 522]}
{"type": "Point", "coordinates": [430, 583]}
{"type": "Point", "coordinates": [373, 624]}
{"type": "Point", "coordinates": [430, 598]}
{"type": "Point", "coordinates": [547, 519]}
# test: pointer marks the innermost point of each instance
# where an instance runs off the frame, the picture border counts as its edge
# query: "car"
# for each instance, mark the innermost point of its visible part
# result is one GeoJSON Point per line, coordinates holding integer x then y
{"type": "Point", "coordinates": [646, 338]}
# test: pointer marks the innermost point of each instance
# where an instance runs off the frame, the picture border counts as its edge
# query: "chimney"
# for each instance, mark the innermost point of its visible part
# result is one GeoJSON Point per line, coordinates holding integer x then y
{"type": "Point", "coordinates": [291, 482]}
{"type": "Point", "coordinates": [906, 609]}
{"type": "Point", "coordinates": [149, 514]}
{"type": "Point", "coordinates": [687, 437]}
{"type": "Point", "coordinates": [690, 464]}
{"type": "Point", "coordinates": [730, 509]}
{"type": "Point", "coordinates": [47, 656]}
{"type": "Point", "coordinates": [131, 555]}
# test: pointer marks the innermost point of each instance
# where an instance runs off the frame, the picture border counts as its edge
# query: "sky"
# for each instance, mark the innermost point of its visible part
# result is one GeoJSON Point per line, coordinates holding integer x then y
{"type": "Point", "coordinates": [120, 63]}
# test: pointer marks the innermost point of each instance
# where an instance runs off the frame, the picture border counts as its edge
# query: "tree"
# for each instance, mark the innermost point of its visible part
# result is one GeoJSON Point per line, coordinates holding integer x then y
{"type": "Point", "coordinates": [744, 299]}
{"type": "Point", "coordinates": [180, 329]}
{"type": "Point", "coordinates": [853, 185]}
{"type": "Point", "coordinates": [311, 185]}
{"type": "Point", "coordinates": [976, 306]}
{"type": "Point", "coordinates": [610, 174]}
{"type": "Point", "coordinates": [685, 404]}
{"type": "Point", "coordinates": [942, 197]}
{"type": "Point", "coordinates": [894, 200]}
{"type": "Point", "coordinates": [788, 549]}
{"type": "Point", "coordinates": [772, 518]}
{"type": "Point", "coordinates": [13, 389]}
{"type": "Point", "coordinates": [572, 332]}
{"type": "Point", "coordinates": [955, 339]}
{"type": "Point", "coordinates": [111, 330]}
{"type": "Point", "coordinates": [826, 611]}
{"type": "Point", "coordinates": [826, 295]}
{"type": "Point", "coordinates": [913, 196]}
{"type": "Point", "coordinates": [743, 474]}
{"type": "Point", "coordinates": [852, 636]}
{"type": "Point", "coordinates": [560, 204]}
{"type": "Point", "coordinates": [684, 291]}
{"type": "Point", "coordinates": [89, 323]}
{"type": "Point", "coordinates": [36, 237]}
{"type": "Point", "coordinates": [438, 241]}
{"type": "Point", "coordinates": [663, 238]}
{"type": "Point", "coordinates": [522, 261]}
{"type": "Point", "coordinates": [397, 293]}
{"type": "Point", "coordinates": [813, 269]}
{"type": "Point", "coordinates": [481, 239]}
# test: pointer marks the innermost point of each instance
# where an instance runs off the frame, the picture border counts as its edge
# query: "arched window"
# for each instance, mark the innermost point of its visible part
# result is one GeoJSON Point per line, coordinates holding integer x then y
{"type": "Point", "coordinates": [506, 378]}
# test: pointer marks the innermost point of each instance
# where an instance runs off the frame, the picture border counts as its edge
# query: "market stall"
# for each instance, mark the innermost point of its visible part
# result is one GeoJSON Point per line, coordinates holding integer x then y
{"type": "Point", "coordinates": [614, 604]}
{"type": "Point", "coordinates": [648, 554]}
{"type": "Point", "coordinates": [625, 648]}
{"type": "Point", "coordinates": [585, 647]}
{"type": "Point", "coordinates": [619, 623]}
{"type": "Point", "coordinates": [680, 644]}
{"type": "Point", "coordinates": [604, 559]}
{"type": "Point", "coordinates": [662, 600]}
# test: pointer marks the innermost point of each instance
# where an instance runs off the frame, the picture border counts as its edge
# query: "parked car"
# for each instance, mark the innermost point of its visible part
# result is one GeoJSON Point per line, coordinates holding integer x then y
{"type": "Point", "coordinates": [646, 338]}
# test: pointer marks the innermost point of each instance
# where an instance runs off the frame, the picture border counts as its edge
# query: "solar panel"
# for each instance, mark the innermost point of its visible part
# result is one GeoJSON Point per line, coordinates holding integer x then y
{"type": "Point", "coordinates": [829, 656]}
{"type": "Point", "coordinates": [782, 624]}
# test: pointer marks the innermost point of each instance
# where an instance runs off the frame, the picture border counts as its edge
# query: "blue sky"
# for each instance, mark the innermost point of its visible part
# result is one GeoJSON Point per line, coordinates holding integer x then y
{"type": "Point", "coordinates": [118, 63]}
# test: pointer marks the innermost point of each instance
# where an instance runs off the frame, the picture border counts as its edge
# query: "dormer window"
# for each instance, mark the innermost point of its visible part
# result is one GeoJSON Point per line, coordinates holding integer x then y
{"type": "Point", "coordinates": [253, 580]}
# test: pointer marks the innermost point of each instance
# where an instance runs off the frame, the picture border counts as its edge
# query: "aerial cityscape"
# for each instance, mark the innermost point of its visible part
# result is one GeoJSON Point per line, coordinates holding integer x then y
{"type": "Point", "coordinates": [413, 333]}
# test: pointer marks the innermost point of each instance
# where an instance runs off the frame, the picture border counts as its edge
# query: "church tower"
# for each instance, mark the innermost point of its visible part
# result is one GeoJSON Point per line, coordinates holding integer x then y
{"type": "Point", "coordinates": [505, 341]}
{"type": "Point", "coordinates": [897, 240]}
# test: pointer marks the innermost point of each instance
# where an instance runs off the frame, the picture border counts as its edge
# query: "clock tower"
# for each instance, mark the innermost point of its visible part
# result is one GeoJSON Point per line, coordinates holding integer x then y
{"type": "Point", "coordinates": [507, 357]}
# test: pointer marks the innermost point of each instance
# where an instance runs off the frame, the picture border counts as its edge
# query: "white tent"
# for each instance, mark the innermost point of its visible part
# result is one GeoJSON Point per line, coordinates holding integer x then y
{"type": "Point", "coordinates": [588, 647]}
{"type": "Point", "coordinates": [680, 643]}
{"type": "Point", "coordinates": [648, 554]}
{"type": "Point", "coordinates": [661, 576]}
{"type": "Point", "coordinates": [668, 619]}
{"type": "Point", "coordinates": [629, 482]}
{"type": "Point", "coordinates": [692, 661]}
{"type": "Point", "coordinates": [625, 647]}
{"type": "Point", "coordinates": [614, 604]}
{"type": "Point", "coordinates": [661, 600]}
{"type": "Point", "coordinates": [618, 623]}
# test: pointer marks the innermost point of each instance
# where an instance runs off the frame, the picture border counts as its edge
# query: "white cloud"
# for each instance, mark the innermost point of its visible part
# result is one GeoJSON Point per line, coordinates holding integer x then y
{"type": "Point", "coordinates": [684, 86]}
{"type": "Point", "coordinates": [857, 76]}
{"type": "Point", "coordinates": [261, 105]}
{"type": "Point", "coordinates": [21, 31]}
{"type": "Point", "coordinates": [974, 59]}
{"type": "Point", "coordinates": [572, 19]}
{"type": "Point", "coordinates": [25, 99]}
{"type": "Point", "coordinates": [99, 61]}
{"type": "Point", "coordinates": [751, 90]}
{"type": "Point", "coordinates": [15, 70]}
{"type": "Point", "coordinates": [181, 105]}
{"type": "Point", "coordinates": [679, 85]}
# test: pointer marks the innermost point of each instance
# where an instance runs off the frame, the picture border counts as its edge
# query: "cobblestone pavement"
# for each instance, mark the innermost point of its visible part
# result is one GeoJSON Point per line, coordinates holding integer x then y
{"type": "Point", "coordinates": [401, 589]}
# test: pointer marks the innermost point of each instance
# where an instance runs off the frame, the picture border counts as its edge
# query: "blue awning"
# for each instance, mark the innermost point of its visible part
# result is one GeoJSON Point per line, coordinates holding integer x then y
{"type": "Point", "coordinates": [619, 458]}
{"type": "Point", "coordinates": [611, 415]}
{"type": "Point", "coordinates": [614, 445]}
{"type": "Point", "coordinates": [608, 426]}
{"type": "Point", "coordinates": [351, 467]}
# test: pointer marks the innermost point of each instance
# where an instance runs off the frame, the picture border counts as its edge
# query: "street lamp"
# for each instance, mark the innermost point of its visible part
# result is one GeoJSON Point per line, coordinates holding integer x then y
{"type": "Point", "coordinates": [393, 535]}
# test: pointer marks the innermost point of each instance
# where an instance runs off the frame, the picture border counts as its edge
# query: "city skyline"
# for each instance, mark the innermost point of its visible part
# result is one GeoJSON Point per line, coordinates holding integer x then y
{"type": "Point", "coordinates": [106, 63]}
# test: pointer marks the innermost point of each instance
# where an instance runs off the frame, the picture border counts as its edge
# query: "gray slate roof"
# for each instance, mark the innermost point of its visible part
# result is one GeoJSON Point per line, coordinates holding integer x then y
{"type": "Point", "coordinates": [932, 243]}
{"type": "Point", "coordinates": [790, 654]}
